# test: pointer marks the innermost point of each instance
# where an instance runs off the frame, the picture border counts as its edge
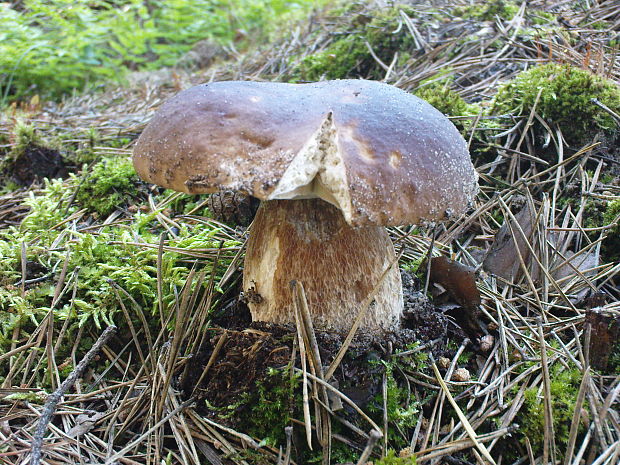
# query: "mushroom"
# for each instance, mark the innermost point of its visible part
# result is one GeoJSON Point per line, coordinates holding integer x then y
{"type": "Point", "coordinates": [334, 162]}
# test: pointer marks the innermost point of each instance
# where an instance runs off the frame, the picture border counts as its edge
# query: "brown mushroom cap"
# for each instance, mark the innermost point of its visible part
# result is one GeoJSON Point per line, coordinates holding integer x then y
{"type": "Point", "coordinates": [382, 155]}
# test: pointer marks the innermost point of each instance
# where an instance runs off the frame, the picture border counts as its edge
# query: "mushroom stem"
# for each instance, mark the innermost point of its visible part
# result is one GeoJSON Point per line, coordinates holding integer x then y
{"type": "Point", "coordinates": [309, 241]}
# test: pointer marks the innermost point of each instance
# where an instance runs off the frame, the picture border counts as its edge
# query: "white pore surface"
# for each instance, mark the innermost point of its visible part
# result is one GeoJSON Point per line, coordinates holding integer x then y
{"type": "Point", "coordinates": [317, 171]}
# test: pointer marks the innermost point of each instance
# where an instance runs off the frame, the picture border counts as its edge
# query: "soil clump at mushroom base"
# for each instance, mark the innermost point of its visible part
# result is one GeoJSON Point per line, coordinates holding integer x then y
{"type": "Point", "coordinates": [252, 351]}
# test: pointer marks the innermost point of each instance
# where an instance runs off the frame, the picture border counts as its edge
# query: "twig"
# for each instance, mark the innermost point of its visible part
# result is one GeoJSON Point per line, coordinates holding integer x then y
{"type": "Point", "coordinates": [470, 431]}
{"type": "Point", "coordinates": [52, 401]}
{"type": "Point", "coordinates": [372, 440]}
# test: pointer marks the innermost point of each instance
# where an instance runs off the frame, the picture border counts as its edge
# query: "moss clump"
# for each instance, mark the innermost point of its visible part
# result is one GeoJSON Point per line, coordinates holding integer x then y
{"type": "Point", "coordinates": [337, 61]}
{"type": "Point", "coordinates": [566, 95]}
{"type": "Point", "coordinates": [446, 100]}
{"type": "Point", "coordinates": [272, 406]}
{"type": "Point", "coordinates": [107, 186]}
{"type": "Point", "coordinates": [564, 388]}
{"type": "Point", "coordinates": [349, 57]}
{"type": "Point", "coordinates": [30, 158]}
{"type": "Point", "coordinates": [392, 459]}
{"type": "Point", "coordinates": [611, 245]}
{"type": "Point", "coordinates": [488, 11]}
{"type": "Point", "coordinates": [24, 135]}
{"type": "Point", "coordinates": [441, 95]}
{"type": "Point", "coordinates": [103, 260]}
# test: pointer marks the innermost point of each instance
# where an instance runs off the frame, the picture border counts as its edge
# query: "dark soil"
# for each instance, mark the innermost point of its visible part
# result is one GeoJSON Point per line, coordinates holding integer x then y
{"type": "Point", "coordinates": [36, 163]}
{"type": "Point", "coordinates": [251, 349]}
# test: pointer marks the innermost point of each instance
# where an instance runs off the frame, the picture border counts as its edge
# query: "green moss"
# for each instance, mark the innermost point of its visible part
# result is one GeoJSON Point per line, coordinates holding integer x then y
{"type": "Point", "coordinates": [341, 453]}
{"type": "Point", "coordinates": [402, 410]}
{"type": "Point", "coordinates": [611, 245]}
{"type": "Point", "coordinates": [107, 185]}
{"type": "Point", "coordinates": [349, 57]}
{"type": "Point", "coordinates": [564, 388]}
{"type": "Point", "coordinates": [101, 261]}
{"type": "Point", "coordinates": [272, 406]}
{"type": "Point", "coordinates": [440, 94]}
{"type": "Point", "coordinates": [566, 95]}
{"type": "Point", "coordinates": [335, 62]}
{"type": "Point", "coordinates": [392, 459]}
{"type": "Point", "coordinates": [416, 268]}
{"type": "Point", "coordinates": [446, 100]}
{"type": "Point", "coordinates": [613, 365]}
{"type": "Point", "coordinates": [541, 18]}
{"type": "Point", "coordinates": [23, 135]}
{"type": "Point", "coordinates": [612, 212]}
{"type": "Point", "coordinates": [32, 397]}
{"type": "Point", "coordinates": [488, 11]}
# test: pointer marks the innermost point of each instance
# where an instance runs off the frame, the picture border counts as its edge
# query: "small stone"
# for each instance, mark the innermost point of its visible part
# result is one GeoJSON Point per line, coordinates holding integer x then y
{"type": "Point", "coordinates": [486, 343]}
{"type": "Point", "coordinates": [443, 362]}
{"type": "Point", "coordinates": [461, 375]}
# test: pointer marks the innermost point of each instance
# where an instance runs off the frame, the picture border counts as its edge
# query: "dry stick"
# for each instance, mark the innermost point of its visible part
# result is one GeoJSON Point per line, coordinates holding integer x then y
{"type": "Point", "coordinates": [289, 441]}
{"type": "Point", "coordinates": [429, 258]}
{"type": "Point", "coordinates": [23, 260]}
{"type": "Point", "coordinates": [304, 371]}
{"type": "Point", "coordinates": [17, 350]}
{"type": "Point", "coordinates": [352, 404]}
{"type": "Point", "coordinates": [459, 445]}
{"type": "Point", "coordinates": [572, 436]}
{"type": "Point", "coordinates": [140, 439]}
{"type": "Point", "coordinates": [323, 420]}
{"type": "Point", "coordinates": [470, 431]}
{"type": "Point", "coordinates": [549, 443]}
{"type": "Point", "coordinates": [384, 394]}
{"type": "Point", "coordinates": [160, 291]}
{"type": "Point", "coordinates": [358, 320]}
{"type": "Point", "coordinates": [372, 440]}
{"type": "Point", "coordinates": [54, 398]}
{"type": "Point", "coordinates": [179, 329]}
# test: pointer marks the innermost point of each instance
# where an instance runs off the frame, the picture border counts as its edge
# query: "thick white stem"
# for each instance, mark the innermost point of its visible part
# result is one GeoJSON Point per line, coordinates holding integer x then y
{"type": "Point", "coordinates": [309, 241]}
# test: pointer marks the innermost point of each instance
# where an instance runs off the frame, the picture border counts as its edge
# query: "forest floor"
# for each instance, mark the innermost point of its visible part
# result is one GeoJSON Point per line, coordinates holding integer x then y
{"type": "Point", "coordinates": [525, 369]}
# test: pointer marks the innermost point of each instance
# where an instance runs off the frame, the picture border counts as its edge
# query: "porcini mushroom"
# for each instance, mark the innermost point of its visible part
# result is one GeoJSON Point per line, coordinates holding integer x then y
{"type": "Point", "coordinates": [333, 162]}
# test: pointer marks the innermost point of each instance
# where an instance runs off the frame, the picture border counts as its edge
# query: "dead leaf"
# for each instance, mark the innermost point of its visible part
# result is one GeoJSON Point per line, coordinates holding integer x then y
{"type": "Point", "coordinates": [84, 423]}
{"type": "Point", "coordinates": [582, 263]}
{"type": "Point", "coordinates": [460, 283]}
{"type": "Point", "coordinates": [457, 279]}
{"type": "Point", "coordinates": [502, 259]}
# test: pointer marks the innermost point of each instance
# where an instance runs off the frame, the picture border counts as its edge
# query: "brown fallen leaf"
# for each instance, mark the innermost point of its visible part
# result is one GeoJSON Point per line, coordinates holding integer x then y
{"type": "Point", "coordinates": [502, 259]}
{"type": "Point", "coordinates": [459, 281]}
